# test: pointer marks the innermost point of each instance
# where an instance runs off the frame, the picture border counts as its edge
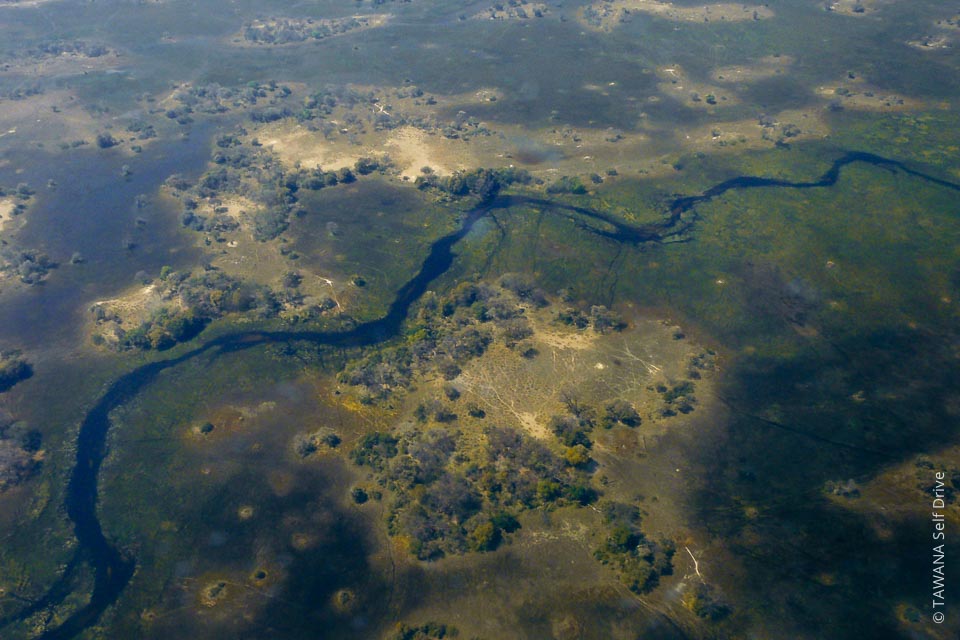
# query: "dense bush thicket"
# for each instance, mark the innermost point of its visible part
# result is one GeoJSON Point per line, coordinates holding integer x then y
{"type": "Point", "coordinates": [451, 498]}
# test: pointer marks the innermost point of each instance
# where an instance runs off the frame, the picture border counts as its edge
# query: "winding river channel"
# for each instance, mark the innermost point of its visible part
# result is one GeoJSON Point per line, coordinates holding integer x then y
{"type": "Point", "coordinates": [113, 568]}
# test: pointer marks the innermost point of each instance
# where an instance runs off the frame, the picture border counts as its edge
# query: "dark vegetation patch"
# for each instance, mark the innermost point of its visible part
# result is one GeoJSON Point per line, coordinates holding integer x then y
{"type": "Point", "coordinates": [427, 631]}
{"type": "Point", "coordinates": [163, 330]}
{"type": "Point", "coordinates": [705, 601]}
{"type": "Point", "coordinates": [201, 298]}
{"type": "Point", "coordinates": [483, 183]}
{"type": "Point", "coordinates": [30, 265]}
{"type": "Point", "coordinates": [277, 31]}
{"type": "Point", "coordinates": [307, 444]}
{"type": "Point", "coordinates": [20, 454]}
{"type": "Point", "coordinates": [446, 332]}
{"type": "Point", "coordinates": [638, 560]}
{"type": "Point", "coordinates": [452, 484]}
{"type": "Point", "coordinates": [449, 496]}
{"type": "Point", "coordinates": [76, 48]}
{"type": "Point", "coordinates": [214, 98]}
{"type": "Point", "coordinates": [13, 369]}
{"type": "Point", "coordinates": [602, 319]}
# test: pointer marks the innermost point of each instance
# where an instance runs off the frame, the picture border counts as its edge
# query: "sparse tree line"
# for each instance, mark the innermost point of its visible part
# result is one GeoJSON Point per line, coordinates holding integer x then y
{"type": "Point", "coordinates": [70, 47]}
{"type": "Point", "coordinates": [277, 31]}
{"type": "Point", "coordinates": [482, 183]}
{"type": "Point", "coordinates": [214, 98]}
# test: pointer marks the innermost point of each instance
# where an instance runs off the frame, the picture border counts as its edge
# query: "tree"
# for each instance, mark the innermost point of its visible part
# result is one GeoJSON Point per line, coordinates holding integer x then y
{"type": "Point", "coordinates": [620, 411]}
{"type": "Point", "coordinates": [577, 456]}
{"type": "Point", "coordinates": [13, 369]}
{"type": "Point", "coordinates": [703, 600]}
{"type": "Point", "coordinates": [486, 185]}
{"type": "Point", "coordinates": [105, 140]}
{"type": "Point", "coordinates": [374, 449]}
{"type": "Point", "coordinates": [605, 320]}
{"type": "Point", "coordinates": [366, 166]}
{"type": "Point", "coordinates": [486, 537]}
{"type": "Point", "coordinates": [569, 431]}
{"type": "Point", "coordinates": [566, 184]}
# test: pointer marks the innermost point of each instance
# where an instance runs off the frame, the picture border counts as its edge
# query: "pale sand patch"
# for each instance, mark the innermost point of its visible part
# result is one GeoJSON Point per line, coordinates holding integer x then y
{"type": "Point", "coordinates": [411, 149]}
{"type": "Point", "coordinates": [6, 213]}
{"type": "Point", "coordinates": [136, 306]}
{"type": "Point", "coordinates": [237, 207]}
{"type": "Point", "coordinates": [297, 144]}
{"type": "Point", "coordinates": [948, 30]}
{"type": "Point", "coordinates": [766, 67]}
{"type": "Point", "coordinates": [676, 84]}
{"type": "Point", "coordinates": [607, 15]}
{"type": "Point", "coordinates": [575, 340]}
{"type": "Point", "coordinates": [531, 425]}
{"type": "Point", "coordinates": [566, 150]}
{"type": "Point", "coordinates": [932, 42]}
{"type": "Point", "coordinates": [952, 23]}
{"type": "Point", "coordinates": [526, 392]}
{"type": "Point", "coordinates": [856, 7]}
{"type": "Point", "coordinates": [480, 96]}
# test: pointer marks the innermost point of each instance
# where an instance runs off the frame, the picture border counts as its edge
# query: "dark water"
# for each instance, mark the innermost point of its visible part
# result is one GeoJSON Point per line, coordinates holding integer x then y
{"type": "Point", "coordinates": [92, 211]}
{"type": "Point", "coordinates": [113, 568]}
